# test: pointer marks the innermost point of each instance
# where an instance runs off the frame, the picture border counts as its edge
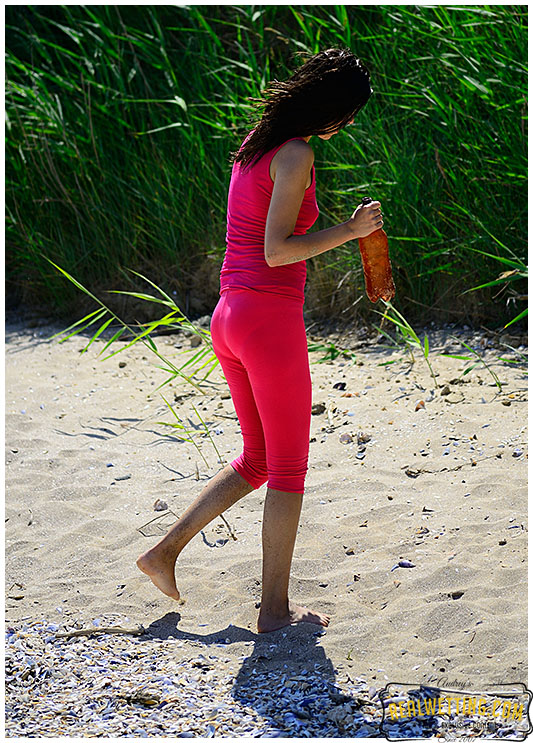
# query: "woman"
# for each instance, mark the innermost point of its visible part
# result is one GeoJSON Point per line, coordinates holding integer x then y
{"type": "Point", "coordinates": [257, 327]}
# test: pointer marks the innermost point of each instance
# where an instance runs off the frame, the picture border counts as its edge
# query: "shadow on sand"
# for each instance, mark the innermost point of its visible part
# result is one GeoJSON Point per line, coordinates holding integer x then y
{"type": "Point", "coordinates": [263, 682]}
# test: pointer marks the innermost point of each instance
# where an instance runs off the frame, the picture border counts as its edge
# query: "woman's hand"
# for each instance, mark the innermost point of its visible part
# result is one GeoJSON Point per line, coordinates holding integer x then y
{"type": "Point", "coordinates": [366, 219]}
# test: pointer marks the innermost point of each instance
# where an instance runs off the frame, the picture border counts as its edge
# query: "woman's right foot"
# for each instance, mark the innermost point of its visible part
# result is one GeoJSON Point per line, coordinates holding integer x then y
{"type": "Point", "coordinates": [159, 567]}
{"type": "Point", "coordinates": [268, 622]}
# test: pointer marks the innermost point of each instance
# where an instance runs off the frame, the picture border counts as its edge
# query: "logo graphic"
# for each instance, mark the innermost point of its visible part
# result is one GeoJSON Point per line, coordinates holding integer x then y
{"type": "Point", "coordinates": [420, 711]}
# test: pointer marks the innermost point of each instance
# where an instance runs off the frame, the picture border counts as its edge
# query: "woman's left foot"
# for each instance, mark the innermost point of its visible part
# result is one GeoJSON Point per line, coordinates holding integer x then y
{"type": "Point", "coordinates": [159, 566]}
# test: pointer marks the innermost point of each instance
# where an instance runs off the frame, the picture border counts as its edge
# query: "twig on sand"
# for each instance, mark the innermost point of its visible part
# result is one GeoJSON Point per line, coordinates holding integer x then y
{"type": "Point", "coordinates": [230, 530]}
{"type": "Point", "coordinates": [411, 472]}
{"type": "Point", "coordinates": [102, 630]}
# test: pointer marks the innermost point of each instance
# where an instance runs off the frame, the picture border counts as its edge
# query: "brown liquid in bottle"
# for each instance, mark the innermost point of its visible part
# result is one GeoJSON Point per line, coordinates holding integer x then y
{"type": "Point", "coordinates": [374, 249]}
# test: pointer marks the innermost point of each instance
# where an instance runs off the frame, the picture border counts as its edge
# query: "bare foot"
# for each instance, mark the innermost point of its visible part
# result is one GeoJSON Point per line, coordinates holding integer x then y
{"type": "Point", "coordinates": [268, 622]}
{"type": "Point", "coordinates": [159, 567]}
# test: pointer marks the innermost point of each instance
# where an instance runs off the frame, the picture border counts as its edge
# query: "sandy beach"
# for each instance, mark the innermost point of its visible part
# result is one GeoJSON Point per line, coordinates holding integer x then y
{"type": "Point", "coordinates": [398, 471]}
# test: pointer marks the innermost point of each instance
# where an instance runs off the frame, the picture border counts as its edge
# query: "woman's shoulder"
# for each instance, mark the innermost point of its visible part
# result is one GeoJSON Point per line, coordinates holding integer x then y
{"type": "Point", "coordinates": [297, 148]}
{"type": "Point", "coordinates": [293, 153]}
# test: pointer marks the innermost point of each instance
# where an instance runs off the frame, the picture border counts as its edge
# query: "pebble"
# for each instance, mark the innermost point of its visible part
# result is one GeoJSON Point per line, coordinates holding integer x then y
{"type": "Point", "coordinates": [403, 564]}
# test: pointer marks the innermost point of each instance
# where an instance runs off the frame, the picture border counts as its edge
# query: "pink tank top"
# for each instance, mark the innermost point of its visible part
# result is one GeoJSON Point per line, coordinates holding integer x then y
{"type": "Point", "coordinates": [244, 263]}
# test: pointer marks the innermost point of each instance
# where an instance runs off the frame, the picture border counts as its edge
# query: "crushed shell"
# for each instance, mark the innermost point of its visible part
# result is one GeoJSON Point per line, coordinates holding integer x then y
{"type": "Point", "coordinates": [118, 685]}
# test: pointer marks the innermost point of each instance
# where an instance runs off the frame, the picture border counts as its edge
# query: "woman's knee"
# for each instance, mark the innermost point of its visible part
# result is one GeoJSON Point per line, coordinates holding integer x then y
{"type": "Point", "coordinates": [287, 483]}
{"type": "Point", "coordinates": [253, 472]}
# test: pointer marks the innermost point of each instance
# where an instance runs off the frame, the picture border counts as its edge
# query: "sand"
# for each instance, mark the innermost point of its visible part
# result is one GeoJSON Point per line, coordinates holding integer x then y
{"type": "Point", "coordinates": [444, 487]}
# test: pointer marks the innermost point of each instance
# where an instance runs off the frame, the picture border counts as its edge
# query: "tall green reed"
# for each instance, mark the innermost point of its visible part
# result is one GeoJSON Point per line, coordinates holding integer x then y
{"type": "Point", "coordinates": [120, 120]}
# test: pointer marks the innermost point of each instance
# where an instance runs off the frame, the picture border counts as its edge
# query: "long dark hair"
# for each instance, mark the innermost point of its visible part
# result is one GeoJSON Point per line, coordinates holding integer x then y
{"type": "Point", "coordinates": [320, 97]}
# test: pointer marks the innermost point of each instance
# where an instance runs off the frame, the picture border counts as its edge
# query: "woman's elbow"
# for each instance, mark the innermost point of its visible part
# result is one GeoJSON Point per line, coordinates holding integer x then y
{"type": "Point", "coordinates": [270, 256]}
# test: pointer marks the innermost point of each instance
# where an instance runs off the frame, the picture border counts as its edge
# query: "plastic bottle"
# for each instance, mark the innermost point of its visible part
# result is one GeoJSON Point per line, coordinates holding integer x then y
{"type": "Point", "coordinates": [374, 249]}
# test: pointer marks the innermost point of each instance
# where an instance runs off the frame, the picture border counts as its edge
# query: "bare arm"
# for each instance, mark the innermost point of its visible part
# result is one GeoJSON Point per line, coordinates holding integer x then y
{"type": "Point", "coordinates": [281, 246]}
{"type": "Point", "coordinates": [300, 247]}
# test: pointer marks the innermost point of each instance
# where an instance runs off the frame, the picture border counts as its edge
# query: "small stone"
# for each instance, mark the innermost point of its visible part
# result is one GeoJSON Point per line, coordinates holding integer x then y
{"type": "Point", "coordinates": [121, 364]}
{"type": "Point", "coordinates": [318, 408]}
{"type": "Point", "coordinates": [455, 397]}
{"type": "Point", "coordinates": [420, 404]}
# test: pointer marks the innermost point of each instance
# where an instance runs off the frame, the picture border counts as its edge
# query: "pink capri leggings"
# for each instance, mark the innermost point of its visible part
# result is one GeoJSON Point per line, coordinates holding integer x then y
{"type": "Point", "coordinates": [259, 339]}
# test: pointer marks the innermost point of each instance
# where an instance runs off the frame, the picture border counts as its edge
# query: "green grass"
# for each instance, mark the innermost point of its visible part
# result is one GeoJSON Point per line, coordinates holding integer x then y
{"type": "Point", "coordinates": [120, 120]}
{"type": "Point", "coordinates": [175, 320]}
{"type": "Point", "coordinates": [408, 337]}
